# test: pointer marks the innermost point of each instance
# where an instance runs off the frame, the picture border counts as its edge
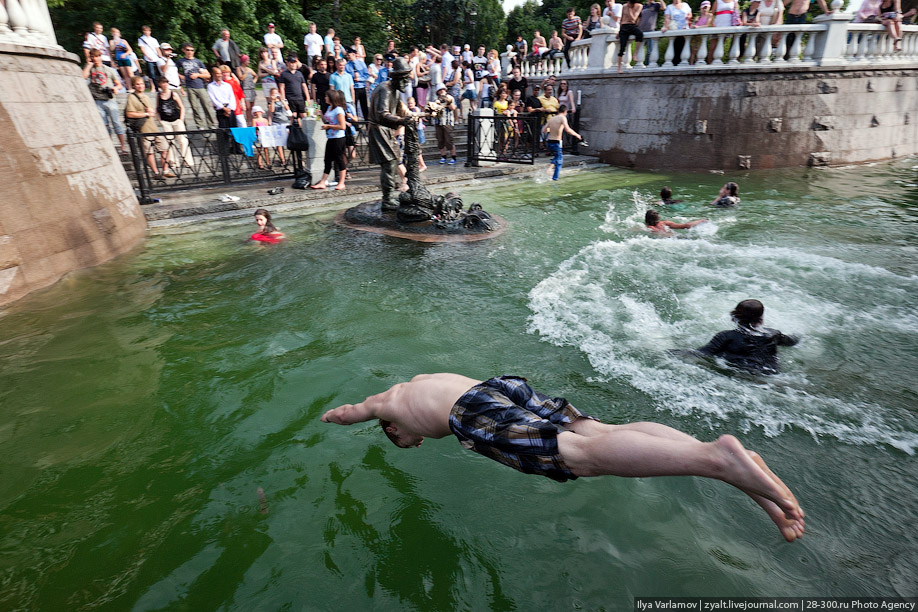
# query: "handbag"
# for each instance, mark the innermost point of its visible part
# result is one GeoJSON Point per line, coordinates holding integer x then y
{"type": "Point", "coordinates": [302, 179]}
{"type": "Point", "coordinates": [296, 139]}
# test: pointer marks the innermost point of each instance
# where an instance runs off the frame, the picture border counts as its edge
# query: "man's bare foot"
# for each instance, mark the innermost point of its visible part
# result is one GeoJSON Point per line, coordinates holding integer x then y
{"type": "Point", "coordinates": [744, 472]}
{"type": "Point", "coordinates": [788, 493]}
{"type": "Point", "coordinates": [791, 529]}
{"type": "Point", "coordinates": [319, 185]}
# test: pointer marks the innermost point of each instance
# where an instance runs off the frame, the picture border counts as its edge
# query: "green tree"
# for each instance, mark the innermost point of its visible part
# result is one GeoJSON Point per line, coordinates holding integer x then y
{"type": "Point", "coordinates": [200, 21]}
{"type": "Point", "coordinates": [525, 19]}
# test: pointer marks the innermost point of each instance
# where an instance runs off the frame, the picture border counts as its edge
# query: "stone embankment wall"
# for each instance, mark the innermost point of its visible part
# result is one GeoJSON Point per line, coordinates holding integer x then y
{"type": "Point", "coordinates": [65, 200]}
{"type": "Point", "coordinates": [730, 120]}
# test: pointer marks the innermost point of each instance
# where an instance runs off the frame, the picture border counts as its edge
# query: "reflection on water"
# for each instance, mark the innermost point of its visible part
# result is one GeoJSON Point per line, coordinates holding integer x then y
{"type": "Point", "coordinates": [159, 414]}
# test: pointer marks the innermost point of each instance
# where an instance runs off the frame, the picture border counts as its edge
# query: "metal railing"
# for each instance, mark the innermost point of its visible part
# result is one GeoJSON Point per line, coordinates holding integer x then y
{"type": "Point", "coordinates": [200, 158]}
{"type": "Point", "coordinates": [500, 138]}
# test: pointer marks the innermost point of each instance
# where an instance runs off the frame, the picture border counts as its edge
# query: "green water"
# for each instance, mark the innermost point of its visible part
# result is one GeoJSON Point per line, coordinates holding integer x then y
{"type": "Point", "coordinates": [145, 402]}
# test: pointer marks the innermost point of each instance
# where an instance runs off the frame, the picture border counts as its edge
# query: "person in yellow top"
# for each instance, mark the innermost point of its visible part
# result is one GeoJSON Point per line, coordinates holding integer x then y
{"type": "Point", "coordinates": [503, 101]}
{"type": "Point", "coordinates": [139, 107]}
{"type": "Point", "coordinates": [549, 102]}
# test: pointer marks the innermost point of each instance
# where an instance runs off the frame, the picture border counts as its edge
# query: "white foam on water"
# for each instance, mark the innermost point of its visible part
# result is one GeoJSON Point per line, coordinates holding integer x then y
{"type": "Point", "coordinates": [625, 303]}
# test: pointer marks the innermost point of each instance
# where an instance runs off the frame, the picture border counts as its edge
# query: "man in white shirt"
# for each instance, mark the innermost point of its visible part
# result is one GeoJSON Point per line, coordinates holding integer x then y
{"type": "Point", "coordinates": [169, 69]}
{"type": "Point", "coordinates": [274, 43]}
{"type": "Point", "coordinates": [221, 96]}
{"type": "Point", "coordinates": [152, 55]}
{"type": "Point", "coordinates": [313, 43]}
{"type": "Point", "coordinates": [480, 63]}
{"type": "Point", "coordinates": [97, 40]}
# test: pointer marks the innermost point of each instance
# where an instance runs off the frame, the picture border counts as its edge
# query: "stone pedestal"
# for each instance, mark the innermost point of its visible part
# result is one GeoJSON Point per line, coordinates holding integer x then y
{"type": "Point", "coordinates": [65, 201]}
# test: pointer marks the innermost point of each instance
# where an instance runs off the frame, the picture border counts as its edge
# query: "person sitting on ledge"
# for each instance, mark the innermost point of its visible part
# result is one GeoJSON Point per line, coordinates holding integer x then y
{"type": "Point", "coordinates": [751, 346]}
{"type": "Point", "coordinates": [266, 230]}
{"type": "Point", "coordinates": [504, 419]}
{"type": "Point", "coordinates": [728, 196]}
{"type": "Point", "coordinates": [663, 227]}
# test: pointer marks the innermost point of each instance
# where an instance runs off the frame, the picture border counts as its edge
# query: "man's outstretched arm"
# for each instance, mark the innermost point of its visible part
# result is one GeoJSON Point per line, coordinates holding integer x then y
{"type": "Point", "coordinates": [348, 414]}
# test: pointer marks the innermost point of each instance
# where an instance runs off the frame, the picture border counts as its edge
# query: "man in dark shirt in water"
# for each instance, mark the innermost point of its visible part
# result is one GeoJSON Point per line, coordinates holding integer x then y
{"type": "Point", "coordinates": [750, 346]}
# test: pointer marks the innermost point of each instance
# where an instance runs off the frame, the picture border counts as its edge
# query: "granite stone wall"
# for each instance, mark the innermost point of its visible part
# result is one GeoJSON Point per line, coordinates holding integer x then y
{"type": "Point", "coordinates": [65, 200]}
{"type": "Point", "coordinates": [731, 119]}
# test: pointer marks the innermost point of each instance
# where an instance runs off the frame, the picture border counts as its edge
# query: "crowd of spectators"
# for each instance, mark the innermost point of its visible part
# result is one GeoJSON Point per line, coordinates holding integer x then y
{"type": "Point", "coordinates": [219, 89]}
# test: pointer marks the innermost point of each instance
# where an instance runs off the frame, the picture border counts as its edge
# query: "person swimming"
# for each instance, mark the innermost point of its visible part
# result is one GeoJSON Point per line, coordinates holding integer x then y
{"type": "Point", "coordinates": [666, 197]}
{"type": "Point", "coordinates": [751, 346]}
{"type": "Point", "coordinates": [663, 227]}
{"type": "Point", "coordinates": [728, 196]}
{"type": "Point", "coordinates": [266, 230]}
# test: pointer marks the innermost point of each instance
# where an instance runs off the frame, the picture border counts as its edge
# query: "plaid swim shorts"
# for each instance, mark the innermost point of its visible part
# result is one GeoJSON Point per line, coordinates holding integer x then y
{"type": "Point", "coordinates": [504, 419]}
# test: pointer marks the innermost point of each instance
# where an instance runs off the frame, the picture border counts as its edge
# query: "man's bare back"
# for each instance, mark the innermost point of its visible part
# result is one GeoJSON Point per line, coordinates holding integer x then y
{"type": "Point", "coordinates": [421, 408]}
{"type": "Point", "coordinates": [556, 126]}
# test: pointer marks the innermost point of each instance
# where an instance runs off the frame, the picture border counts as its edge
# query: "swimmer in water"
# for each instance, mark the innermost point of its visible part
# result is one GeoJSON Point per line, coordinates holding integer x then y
{"type": "Point", "coordinates": [751, 346]}
{"type": "Point", "coordinates": [666, 197]}
{"type": "Point", "coordinates": [266, 230]}
{"type": "Point", "coordinates": [504, 419]}
{"type": "Point", "coordinates": [728, 196]}
{"type": "Point", "coordinates": [664, 228]}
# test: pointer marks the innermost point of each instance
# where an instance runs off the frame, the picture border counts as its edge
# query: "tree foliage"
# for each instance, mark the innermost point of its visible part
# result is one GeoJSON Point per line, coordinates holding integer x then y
{"type": "Point", "coordinates": [409, 22]}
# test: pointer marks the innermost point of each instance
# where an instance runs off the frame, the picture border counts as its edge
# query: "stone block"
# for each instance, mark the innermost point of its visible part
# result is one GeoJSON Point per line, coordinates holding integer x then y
{"type": "Point", "coordinates": [822, 124]}
{"type": "Point", "coordinates": [9, 254]}
{"type": "Point", "coordinates": [104, 221]}
{"type": "Point", "coordinates": [751, 89]}
{"type": "Point", "coordinates": [820, 159]}
{"type": "Point", "coordinates": [9, 279]}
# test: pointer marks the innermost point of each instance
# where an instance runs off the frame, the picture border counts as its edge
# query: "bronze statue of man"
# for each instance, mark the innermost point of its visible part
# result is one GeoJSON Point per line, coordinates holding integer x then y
{"type": "Point", "coordinates": [385, 118]}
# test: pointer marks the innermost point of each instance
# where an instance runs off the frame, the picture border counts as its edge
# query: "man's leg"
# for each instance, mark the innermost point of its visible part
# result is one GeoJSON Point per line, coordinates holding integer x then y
{"type": "Point", "coordinates": [557, 158]}
{"type": "Point", "coordinates": [651, 449]}
{"type": "Point", "coordinates": [388, 171]}
{"type": "Point", "coordinates": [207, 119]}
{"type": "Point", "coordinates": [114, 119]}
{"type": "Point", "coordinates": [198, 109]}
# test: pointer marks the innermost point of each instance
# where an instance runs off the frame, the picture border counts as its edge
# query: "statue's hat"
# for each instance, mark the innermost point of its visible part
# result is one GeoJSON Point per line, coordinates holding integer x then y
{"type": "Point", "coordinates": [400, 66]}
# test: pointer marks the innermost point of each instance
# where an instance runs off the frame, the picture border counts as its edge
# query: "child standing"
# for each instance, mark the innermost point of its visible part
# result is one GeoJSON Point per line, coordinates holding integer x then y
{"type": "Point", "coordinates": [260, 122]}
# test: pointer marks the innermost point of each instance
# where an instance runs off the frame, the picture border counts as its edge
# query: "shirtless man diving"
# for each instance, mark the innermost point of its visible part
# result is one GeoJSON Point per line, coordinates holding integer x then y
{"type": "Point", "coordinates": [506, 420]}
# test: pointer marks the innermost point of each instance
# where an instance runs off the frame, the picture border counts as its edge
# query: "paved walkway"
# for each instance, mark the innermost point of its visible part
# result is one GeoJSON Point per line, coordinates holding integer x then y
{"type": "Point", "coordinates": [183, 207]}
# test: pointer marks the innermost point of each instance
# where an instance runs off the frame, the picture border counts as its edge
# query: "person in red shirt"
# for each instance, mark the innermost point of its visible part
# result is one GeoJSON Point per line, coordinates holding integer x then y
{"type": "Point", "coordinates": [230, 78]}
{"type": "Point", "coordinates": [266, 230]}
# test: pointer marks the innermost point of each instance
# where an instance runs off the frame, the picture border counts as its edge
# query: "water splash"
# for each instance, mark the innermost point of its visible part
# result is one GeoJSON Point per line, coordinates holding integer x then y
{"type": "Point", "coordinates": [624, 303]}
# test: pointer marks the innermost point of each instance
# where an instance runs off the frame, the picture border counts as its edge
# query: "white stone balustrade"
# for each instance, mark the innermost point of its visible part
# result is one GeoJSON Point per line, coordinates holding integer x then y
{"type": "Point", "coordinates": [830, 41]}
{"type": "Point", "coordinates": [26, 22]}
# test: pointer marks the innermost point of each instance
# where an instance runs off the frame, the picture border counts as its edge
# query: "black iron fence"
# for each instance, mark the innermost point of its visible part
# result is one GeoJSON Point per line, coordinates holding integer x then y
{"type": "Point", "coordinates": [503, 139]}
{"type": "Point", "coordinates": [169, 161]}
